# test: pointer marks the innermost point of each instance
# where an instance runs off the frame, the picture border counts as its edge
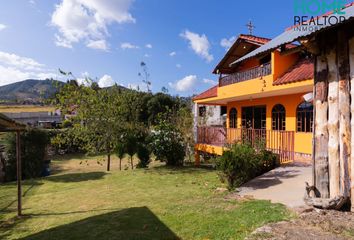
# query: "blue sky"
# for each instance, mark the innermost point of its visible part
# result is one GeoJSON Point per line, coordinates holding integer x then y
{"type": "Point", "coordinates": [107, 39]}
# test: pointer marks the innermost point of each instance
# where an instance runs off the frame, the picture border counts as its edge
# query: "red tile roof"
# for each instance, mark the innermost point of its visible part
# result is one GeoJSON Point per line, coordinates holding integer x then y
{"type": "Point", "coordinates": [302, 70]}
{"type": "Point", "coordinates": [211, 92]}
{"type": "Point", "coordinates": [255, 39]}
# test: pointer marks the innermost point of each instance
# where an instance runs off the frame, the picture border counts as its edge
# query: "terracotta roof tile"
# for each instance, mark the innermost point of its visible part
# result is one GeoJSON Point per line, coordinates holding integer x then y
{"type": "Point", "coordinates": [211, 92]}
{"type": "Point", "coordinates": [255, 39]}
{"type": "Point", "coordinates": [302, 70]}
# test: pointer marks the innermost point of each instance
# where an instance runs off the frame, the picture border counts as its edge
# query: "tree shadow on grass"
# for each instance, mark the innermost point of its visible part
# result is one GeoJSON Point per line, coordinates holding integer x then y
{"type": "Point", "coordinates": [191, 169]}
{"type": "Point", "coordinates": [131, 223]}
{"type": "Point", "coordinates": [76, 177]}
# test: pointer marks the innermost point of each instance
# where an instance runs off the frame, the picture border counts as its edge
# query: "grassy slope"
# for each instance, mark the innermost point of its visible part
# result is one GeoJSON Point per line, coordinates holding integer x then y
{"type": "Point", "coordinates": [25, 108]}
{"type": "Point", "coordinates": [82, 201]}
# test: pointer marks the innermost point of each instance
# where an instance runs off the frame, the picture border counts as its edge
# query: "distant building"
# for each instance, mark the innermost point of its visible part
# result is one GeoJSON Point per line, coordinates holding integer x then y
{"type": "Point", "coordinates": [37, 117]}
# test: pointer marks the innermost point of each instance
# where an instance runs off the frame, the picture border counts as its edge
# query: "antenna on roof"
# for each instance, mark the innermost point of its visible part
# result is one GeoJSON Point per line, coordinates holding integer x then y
{"type": "Point", "coordinates": [250, 27]}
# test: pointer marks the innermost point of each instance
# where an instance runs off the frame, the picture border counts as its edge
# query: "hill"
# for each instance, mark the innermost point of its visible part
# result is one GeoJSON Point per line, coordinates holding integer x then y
{"type": "Point", "coordinates": [30, 90]}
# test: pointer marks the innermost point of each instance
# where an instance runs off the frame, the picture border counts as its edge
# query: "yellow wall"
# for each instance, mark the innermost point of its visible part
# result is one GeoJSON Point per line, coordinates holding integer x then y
{"type": "Point", "coordinates": [303, 141]}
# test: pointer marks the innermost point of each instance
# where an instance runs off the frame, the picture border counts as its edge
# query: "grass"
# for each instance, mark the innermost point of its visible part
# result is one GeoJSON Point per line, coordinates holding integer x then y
{"type": "Point", "coordinates": [82, 201]}
{"type": "Point", "coordinates": [25, 108]}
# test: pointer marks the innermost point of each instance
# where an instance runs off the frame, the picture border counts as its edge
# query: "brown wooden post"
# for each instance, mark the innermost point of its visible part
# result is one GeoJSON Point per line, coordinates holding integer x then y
{"type": "Point", "coordinates": [333, 122]}
{"type": "Point", "coordinates": [321, 131]}
{"type": "Point", "coordinates": [351, 60]}
{"type": "Point", "coordinates": [344, 112]}
{"type": "Point", "coordinates": [19, 173]}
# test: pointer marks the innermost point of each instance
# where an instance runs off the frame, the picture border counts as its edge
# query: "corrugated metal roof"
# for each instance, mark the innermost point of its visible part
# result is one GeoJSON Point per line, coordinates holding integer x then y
{"type": "Point", "coordinates": [293, 34]}
{"type": "Point", "coordinates": [7, 124]}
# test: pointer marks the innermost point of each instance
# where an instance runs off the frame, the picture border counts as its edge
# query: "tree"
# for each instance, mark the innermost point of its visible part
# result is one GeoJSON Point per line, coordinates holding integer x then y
{"type": "Point", "coordinates": [131, 146]}
{"type": "Point", "coordinates": [120, 152]}
{"type": "Point", "coordinates": [99, 118]}
{"type": "Point", "coordinates": [145, 75]}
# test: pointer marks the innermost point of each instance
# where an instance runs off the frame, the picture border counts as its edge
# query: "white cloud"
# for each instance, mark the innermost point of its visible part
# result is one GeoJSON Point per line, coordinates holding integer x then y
{"type": "Point", "coordinates": [2, 26]}
{"type": "Point", "coordinates": [185, 84]}
{"type": "Point", "coordinates": [227, 43]}
{"type": "Point", "coordinates": [148, 45]}
{"type": "Point", "coordinates": [106, 81]}
{"type": "Point", "coordinates": [172, 54]}
{"type": "Point", "coordinates": [209, 81]}
{"type": "Point", "coordinates": [178, 65]}
{"type": "Point", "coordinates": [147, 55]}
{"type": "Point", "coordinates": [16, 61]}
{"type": "Point", "coordinates": [199, 44]}
{"type": "Point", "coordinates": [127, 45]}
{"type": "Point", "coordinates": [99, 44]}
{"type": "Point", "coordinates": [14, 68]}
{"type": "Point", "coordinates": [88, 20]}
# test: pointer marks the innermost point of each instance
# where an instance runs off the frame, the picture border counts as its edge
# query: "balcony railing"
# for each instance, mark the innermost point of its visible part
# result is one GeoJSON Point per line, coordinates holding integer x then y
{"type": "Point", "coordinates": [279, 142]}
{"type": "Point", "coordinates": [257, 72]}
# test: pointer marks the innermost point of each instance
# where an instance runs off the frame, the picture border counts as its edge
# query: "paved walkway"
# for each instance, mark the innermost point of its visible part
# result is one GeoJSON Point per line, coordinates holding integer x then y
{"type": "Point", "coordinates": [284, 185]}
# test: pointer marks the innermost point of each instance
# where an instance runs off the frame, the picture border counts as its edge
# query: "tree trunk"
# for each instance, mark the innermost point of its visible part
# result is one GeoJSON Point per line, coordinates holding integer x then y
{"type": "Point", "coordinates": [120, 164]}
{"type": "Point", "coordinates": [131, 162]}
{"type": "Point", "coordinates": [333, 124]}
{"type": "Point", "coordinates": [108, 162]}
{"type": "Point", "coordinates": [344, 113]}
{"type": "Point", "coordinates": [351, 59]}
{"type": "Point", "coordinates": [321, 132]}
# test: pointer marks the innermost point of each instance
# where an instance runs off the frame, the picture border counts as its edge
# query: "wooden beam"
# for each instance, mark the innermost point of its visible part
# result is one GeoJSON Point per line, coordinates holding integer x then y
{"type": "Point", "coordinates": [19, 173]}
{"type": "Point", "coordinates": [333, 122]}
{"type": "Point", "coordinates": [344, 112]}
{"type": "Point", "coordinates": [351, 61]}
{"type": "Point", "coordinates": [321, 132]}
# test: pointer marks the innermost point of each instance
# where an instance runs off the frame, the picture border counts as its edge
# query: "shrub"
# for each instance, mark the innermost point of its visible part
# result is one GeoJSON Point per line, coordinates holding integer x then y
{"type": "Point", "coordinates": [143, 153]}
{"type": "Point", "coordinates": [242, 163]}
{"type": "Point", "coordinates": [167, 144]}
{"type": "Point", "coordinates": [33, 154]}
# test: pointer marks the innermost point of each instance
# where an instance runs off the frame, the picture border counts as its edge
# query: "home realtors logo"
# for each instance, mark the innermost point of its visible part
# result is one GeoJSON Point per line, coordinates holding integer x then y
{"type": "Point", "coordinates": [307, 12]}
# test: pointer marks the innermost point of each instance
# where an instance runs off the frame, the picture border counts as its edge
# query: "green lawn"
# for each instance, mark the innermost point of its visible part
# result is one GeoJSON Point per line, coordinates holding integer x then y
{"type": "Point", "coordinates": [82, 201]}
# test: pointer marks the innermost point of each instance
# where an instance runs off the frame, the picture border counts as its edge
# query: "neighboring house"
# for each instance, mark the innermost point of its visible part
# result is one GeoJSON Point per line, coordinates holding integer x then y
{"type": "Point", "coordinates": [210, 115]}
{"type": "Point", "coordinates": [264, 100]}
{"type": "Point", "coordinates": [36, 118]}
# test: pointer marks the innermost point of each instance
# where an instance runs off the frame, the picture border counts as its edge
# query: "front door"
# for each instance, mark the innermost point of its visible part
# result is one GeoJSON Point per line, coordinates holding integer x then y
{"type": "Point", "coordinates": [254, 117]}
{"type": "Point", "coordinates": [254, 124]}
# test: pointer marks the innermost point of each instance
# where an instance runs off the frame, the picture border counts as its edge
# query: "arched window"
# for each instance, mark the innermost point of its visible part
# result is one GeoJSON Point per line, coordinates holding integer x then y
{"type": "Point", "coordinates": [278, 117]}
{"type": "Point", "coordinates": [304, 114]}
{"type": "Point", "coordinates": [233, 118]}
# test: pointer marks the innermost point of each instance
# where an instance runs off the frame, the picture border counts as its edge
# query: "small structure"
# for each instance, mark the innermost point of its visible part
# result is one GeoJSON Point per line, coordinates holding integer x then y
{"type": "Point", "coordinates": [9, 125]}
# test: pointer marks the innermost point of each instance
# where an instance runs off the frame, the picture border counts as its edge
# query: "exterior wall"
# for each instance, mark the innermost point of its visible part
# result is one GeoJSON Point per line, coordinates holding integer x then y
{"type": "Point", "coordinates": [213, 117]}
{"type": "Point", "coordinates": [280, 63]}
{"type": "Point", "coordinates": [303, 141]}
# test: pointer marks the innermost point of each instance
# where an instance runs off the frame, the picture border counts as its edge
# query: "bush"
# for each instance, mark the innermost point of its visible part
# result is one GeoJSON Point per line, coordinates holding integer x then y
{"type": "Point", "coordinates": [33, 154]}
{"type": "Point", "coordinates": [242, 163]}
{"type": "Point", "coordinates": [167, 144]}
{"type": "Point", "coordinates": [143, 153]}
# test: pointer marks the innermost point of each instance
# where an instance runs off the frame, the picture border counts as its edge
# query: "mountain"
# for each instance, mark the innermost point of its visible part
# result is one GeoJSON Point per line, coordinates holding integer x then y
{"type": "Point", "coordinates": [29, 90]}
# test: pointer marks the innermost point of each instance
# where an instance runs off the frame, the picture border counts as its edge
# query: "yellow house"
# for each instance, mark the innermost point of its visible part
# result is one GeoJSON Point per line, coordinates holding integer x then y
{"type": "Point", "coordinates": [267, 99]}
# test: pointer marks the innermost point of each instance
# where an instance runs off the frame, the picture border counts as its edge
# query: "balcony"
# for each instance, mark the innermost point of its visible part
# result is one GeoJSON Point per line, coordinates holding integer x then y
{"type": "Point", "coordinates": [256, 72]}
{"type": "Point", "coordinates": [279, 142]}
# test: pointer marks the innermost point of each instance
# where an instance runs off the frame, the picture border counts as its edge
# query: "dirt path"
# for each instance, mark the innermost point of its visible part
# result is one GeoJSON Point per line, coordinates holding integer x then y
{"type": "Point", "coordinates": [310, 225]}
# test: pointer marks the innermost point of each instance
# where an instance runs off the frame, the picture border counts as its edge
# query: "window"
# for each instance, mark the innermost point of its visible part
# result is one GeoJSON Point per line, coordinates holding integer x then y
{"type": "Point", "coordinates": [223, 110]}
{"type": "Point", "coordinates": [304, 113]}
{"type": "Point", "coordinates": [202, 111]}
{"type": "Point", "coordinates": [233, 118]}
{"type": "Point", "coordinates": [278, 117]}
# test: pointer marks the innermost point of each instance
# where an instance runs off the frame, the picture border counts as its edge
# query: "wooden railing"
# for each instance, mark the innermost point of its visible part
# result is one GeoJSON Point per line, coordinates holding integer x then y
{"type": "Point", "coordinates": [263, 70]}
{"type": "Point", "coordinates": [279, 142]}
